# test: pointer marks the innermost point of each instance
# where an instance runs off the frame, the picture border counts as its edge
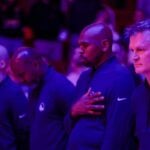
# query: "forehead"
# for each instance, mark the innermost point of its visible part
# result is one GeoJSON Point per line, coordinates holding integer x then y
{"type": "Point", "coordinates": [90, 35]}
{"type": "Point", "coordinates": [84, 38]}
{"type": "Point", "coordinates": [140, 39]}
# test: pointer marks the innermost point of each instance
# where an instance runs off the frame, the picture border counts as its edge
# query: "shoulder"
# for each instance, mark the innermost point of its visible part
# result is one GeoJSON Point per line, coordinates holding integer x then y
{"type": "Point", "coordinates": [123, 74]}
{"type": "Point", "coordinates": [12, 95]}
{"type": "Point", "coordinates": [119, 74]}
{"type": "Point", "coordinates": [10, 86]}
{"type": "Point", "coordinates": [85, 74]}
{"type": "Point", "coordinates": [114, 69]}
{"type": "Point", "coordinates": [140, 98]}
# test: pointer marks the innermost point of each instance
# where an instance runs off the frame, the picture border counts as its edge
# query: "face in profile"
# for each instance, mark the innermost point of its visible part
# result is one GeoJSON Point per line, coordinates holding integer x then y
{"type": "Point", "coordinates": [90, 50]}
{"type": "Point", "coordinates": [95, 43]}
{"type": "Point", "coordinates": [140, 52]}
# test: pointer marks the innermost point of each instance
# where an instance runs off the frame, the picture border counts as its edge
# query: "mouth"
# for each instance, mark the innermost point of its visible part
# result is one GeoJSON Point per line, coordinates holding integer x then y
{"type": "Point", "coordinates": [137, 65]}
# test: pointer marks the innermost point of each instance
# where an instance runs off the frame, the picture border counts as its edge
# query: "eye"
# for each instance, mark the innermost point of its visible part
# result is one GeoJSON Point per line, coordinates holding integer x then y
{"type": "Point", "coordinates": [84, 45]}
{"type": "Point", "coordinates": [140, 49]}
{"type": "Point", "coordinates": [131, 50]}
{"type": "Point", "coordinates": [137, 50]}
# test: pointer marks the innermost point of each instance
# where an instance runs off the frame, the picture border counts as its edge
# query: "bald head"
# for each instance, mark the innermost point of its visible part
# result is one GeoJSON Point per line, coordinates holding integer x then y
{"type": "Point", "coordinates": [95, 43]}
{"type": "Point", "coordinates": [25, 54]}
{"type": "Point", "coordinates": [97, 33]}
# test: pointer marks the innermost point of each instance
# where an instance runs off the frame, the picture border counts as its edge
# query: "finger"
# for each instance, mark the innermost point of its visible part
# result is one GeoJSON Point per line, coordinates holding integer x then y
{"type": "Point", "coordinates": [88, 92]}
{"type": "Point", "coordinates": [91, 94]}
{"type": "Point", "coordinates": [95, 94]}
{"type": "Point", "coordinates": [99, 107]}
{"type": "Point", "coordinates": [91, 112]}
{"type": "Point", "coordinates": [96, 99]}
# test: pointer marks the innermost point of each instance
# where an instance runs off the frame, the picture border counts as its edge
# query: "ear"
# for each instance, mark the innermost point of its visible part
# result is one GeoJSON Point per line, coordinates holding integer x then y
{"type": "Point", "coordinates": [2, 64]}
{"type": "Point", "coordinates": [105, 45]}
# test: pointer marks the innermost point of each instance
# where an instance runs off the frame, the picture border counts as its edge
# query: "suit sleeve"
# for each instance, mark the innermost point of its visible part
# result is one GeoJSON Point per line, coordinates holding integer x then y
{"type": "Point", "coordinates": [119, 119]}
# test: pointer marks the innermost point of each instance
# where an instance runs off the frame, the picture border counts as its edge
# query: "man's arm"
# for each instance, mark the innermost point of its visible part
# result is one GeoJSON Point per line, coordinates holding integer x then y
{"type": "Point", "coordinates": [88, 104]}
{"type": "Point", "coordinates": [119, 119]}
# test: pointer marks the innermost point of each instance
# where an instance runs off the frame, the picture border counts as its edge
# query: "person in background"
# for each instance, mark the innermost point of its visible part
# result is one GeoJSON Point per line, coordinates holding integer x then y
{"type": "Point", "coordinates": [100, 118]}
{"type": "Point", "coordinates": [14, 129]}
{"type": "Point", "coordinates": [76, 67]}
{"type": "Point", "coordinates": [139, 46]}
{"type": "Point", "coordinates": [50, 98]}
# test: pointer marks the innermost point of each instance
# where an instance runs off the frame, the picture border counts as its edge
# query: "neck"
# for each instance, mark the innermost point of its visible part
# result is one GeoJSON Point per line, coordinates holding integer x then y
{"type": "Point", "coordinates": [104, 59]}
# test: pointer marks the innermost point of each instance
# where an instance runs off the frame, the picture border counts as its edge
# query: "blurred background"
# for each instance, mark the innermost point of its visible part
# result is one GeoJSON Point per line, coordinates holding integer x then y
{"type": "Point", "coordinates": [53, 26]}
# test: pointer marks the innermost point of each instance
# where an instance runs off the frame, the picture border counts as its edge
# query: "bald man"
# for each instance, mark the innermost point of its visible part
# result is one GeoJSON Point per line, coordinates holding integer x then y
{"type": "Point", "coordinates": [50, 99]}
{"type": "Point", "coordinates": [13, 109]}
{"type": "Point", "coordinates": [101, 124]}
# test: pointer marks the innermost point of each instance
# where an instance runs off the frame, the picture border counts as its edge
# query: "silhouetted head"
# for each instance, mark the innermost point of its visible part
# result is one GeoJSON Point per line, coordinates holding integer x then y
{"type": "Point", "coordinates": [95, 44]}
{"type": "Point", "coordinates": [27, 66]}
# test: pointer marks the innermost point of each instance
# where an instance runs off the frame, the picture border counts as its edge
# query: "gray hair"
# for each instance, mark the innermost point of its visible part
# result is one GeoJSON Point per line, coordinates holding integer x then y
{"type": "Point", "coordinates": [138, 27]}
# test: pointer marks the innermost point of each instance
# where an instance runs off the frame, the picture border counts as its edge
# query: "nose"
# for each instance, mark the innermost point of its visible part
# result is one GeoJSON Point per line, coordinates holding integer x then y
{"type": "Point", "coordinates": [81, 51]}
{"type": "Point", "coordinates": [134, 56]}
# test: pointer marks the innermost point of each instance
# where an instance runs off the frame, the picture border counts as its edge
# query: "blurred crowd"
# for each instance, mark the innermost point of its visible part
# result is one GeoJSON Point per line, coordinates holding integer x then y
{"type": "Point", "coordinates": [53, 26]}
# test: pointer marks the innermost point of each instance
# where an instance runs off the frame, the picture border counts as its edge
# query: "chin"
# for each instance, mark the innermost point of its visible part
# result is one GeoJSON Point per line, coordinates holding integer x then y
{"type": "Point", "coordinates": [86, 63]}
{"type": "Point", "coordinates": [139, 71]}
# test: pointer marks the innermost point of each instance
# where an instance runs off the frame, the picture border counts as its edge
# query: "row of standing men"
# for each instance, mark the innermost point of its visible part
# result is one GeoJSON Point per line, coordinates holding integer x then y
{"type": "Point", "coordinates": [97, 114]}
